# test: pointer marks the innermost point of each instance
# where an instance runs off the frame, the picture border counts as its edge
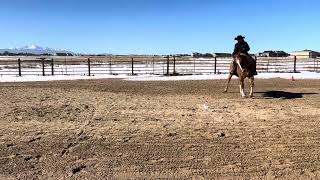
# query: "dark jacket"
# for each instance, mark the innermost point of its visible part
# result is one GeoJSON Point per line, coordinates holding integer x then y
{"type": "Point", "coordinates": [241, 48]}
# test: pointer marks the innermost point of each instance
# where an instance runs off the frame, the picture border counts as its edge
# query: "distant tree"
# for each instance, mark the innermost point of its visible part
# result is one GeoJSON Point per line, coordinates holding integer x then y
{"type": "Point", "coordinates": [207, 55]}
{"type": "Point", "coordinates": [46, 54]}
{"type": "Point", "coordinates": [64, 54]}
{"type": "Point", "coordinates": [196, 55]}
{"type": "Point", "coordinates": [6, 53]}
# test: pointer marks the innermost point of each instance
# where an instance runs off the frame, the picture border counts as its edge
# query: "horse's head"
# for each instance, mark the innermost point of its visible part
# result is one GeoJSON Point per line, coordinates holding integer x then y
{"type": "Point", "coordinates": [246, 62]}
{"type": "Point", "coordinates": [242, 58]}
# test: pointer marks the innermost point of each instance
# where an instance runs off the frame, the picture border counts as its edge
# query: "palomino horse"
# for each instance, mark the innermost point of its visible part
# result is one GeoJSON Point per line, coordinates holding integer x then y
{"type": "Point", "coordinates": [245, 69]}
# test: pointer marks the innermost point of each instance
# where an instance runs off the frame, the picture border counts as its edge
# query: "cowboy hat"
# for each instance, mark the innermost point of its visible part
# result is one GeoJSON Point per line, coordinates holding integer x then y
{"type": "Point", "coordinates": [239, 37]}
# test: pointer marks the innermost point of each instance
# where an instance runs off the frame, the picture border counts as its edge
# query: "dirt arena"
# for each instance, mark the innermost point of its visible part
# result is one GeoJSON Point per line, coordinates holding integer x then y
{"type": "Point", "coordinates": [114, 129]}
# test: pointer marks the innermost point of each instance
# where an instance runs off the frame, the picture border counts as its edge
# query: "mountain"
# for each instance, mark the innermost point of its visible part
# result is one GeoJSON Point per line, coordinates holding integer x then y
{"type": "Point", "coordinates": [34, 49]}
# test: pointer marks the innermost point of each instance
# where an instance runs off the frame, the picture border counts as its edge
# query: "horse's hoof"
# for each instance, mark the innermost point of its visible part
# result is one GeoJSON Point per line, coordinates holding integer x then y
{"type": "Point", "coordinates": [225, 91]}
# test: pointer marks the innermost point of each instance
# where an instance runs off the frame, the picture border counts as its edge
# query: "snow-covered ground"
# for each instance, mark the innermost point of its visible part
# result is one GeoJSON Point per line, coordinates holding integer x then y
{"type": "Point", "coordinates": [30, 78]}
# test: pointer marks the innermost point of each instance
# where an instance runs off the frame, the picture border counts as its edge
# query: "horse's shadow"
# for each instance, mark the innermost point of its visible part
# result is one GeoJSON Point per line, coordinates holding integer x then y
{"type": "Point", "coordinates": [283, 95]}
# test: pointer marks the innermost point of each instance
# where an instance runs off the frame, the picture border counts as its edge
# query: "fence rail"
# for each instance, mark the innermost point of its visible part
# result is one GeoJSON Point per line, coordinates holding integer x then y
{"type": "Point", "coordinates": [90, 66]}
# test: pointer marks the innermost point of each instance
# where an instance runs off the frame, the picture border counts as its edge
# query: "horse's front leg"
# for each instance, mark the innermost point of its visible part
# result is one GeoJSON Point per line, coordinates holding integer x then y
{"type": "Point", "coordinates": [241, 80]}
{"type": "Point", "coordinates": [251, 86]}
{"type": "Point", "coordinates": [229, 79]}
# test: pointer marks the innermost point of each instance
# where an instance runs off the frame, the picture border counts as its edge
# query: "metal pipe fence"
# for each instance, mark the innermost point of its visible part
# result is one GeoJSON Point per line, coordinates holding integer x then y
{"type": "Point", "coordinates": [157, 65]}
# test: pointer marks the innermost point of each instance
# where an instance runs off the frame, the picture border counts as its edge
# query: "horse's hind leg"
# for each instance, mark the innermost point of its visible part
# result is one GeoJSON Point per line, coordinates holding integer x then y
{"type": "Point", "coordinates": [251, 86]}
{"type": "Point", "coordinates": [229, 79]}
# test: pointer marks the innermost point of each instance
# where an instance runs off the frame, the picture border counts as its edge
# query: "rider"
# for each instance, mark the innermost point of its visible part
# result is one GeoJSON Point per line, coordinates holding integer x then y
{"type": "Point", "coordinates": [241, 47]}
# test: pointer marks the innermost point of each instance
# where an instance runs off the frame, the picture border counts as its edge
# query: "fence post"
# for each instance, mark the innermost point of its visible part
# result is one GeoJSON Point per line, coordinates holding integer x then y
{"type": "Point", "coordinates": [256, 60]}
{"type": "Point", "coordinates": [295, 64]}
{"type": "Point", "coordinates": [132, 73]}
{"type": "Point", "coordinates": [19, 66]}
{"type": "Point", "coordinates": [174, 65]}
{"type": "Point", "coordinates": [215, 65]}
{"type": "Point", "coordinates": [52, 67]}
{"type": "Point", "coordinates": [89, 66]}
{"type": "Point", "coordinates": [43, 72]}
{"type": "Point", "coordinates": [110, 65]}
{"type": "Point", "coordinates": [153, 64]}
{"type": "Point", "coordinates": [65, 64]}
{"type": "Point", "coordinates": [167, 65]}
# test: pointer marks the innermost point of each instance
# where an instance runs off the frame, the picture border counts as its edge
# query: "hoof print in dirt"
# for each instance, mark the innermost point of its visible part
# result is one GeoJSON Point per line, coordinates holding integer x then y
{"type": "Point", "coordinates": [172, 134]}
{"type": "Point", "coordinates": [34, 139]}
{"type": "Point", "coordinates": [10, 145]}
{"type": "Point", "coordinates": [38, 157]}
{"type": "Point", "coordinates": [165, 126]}
{"type": "Point", "coordinates": [68, 148]}
{"type": "Point", "coordinates": [63, 152]}
{"type": "Point", "coordinates": [236, 147]}
{"type": "Point", "coordinates": [221, 135]}
{"type": "Point", "coordinates": [126, 139]}
{"type": "Point", "coordinates": [66, 112]}
{"type": "Point", "coordinates": [76, 169]}
{"type": "Point", "coordinates": [19, 118]}
{"type": "Point", "coordinates": [83, 137]}
{"type": "Point", "coordinates": [27, 158]}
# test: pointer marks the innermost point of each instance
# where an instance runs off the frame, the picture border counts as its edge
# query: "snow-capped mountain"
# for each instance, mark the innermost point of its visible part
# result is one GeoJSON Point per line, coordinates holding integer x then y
{"type": "Point", "coordinates": [34, 49]}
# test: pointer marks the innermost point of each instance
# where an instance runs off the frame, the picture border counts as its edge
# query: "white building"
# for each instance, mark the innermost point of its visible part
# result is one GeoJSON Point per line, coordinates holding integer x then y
{"type": "Point", "coordinates": [306, 54]}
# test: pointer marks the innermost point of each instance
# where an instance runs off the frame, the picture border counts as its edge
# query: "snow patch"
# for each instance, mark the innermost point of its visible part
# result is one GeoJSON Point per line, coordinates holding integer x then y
{"type": "Point", "coordinates": [289, 76]}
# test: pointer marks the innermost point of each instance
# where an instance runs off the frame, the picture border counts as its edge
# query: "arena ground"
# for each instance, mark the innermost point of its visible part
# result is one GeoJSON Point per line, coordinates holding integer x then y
{"type": "Point", "coordinates": [115, 129]}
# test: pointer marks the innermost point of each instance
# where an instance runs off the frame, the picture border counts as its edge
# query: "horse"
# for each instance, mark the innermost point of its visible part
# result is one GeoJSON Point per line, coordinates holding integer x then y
{"type": "Point", "coordinates": [245, 69]}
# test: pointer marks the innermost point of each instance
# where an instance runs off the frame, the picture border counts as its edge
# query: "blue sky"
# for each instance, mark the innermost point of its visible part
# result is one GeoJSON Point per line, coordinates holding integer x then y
{"type": "Point", "coordinates": [160, 26]}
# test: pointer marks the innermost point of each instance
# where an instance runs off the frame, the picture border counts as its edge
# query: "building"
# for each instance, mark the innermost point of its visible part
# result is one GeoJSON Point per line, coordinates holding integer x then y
{"type": "Point", "coordinates": [181, 55]}
{"type": "Point", "coordinates": [211, 55]}
{"type": "Point", "coordinates": [273, 54]}
{"type": "Point", "coordinates": [224, 55]}
{"type": "Point", "coordinates": [306, 54]}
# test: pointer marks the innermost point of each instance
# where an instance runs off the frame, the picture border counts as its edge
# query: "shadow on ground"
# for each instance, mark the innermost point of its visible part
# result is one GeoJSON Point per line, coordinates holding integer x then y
{"type": "Point", "coordinates": [283, 94]}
